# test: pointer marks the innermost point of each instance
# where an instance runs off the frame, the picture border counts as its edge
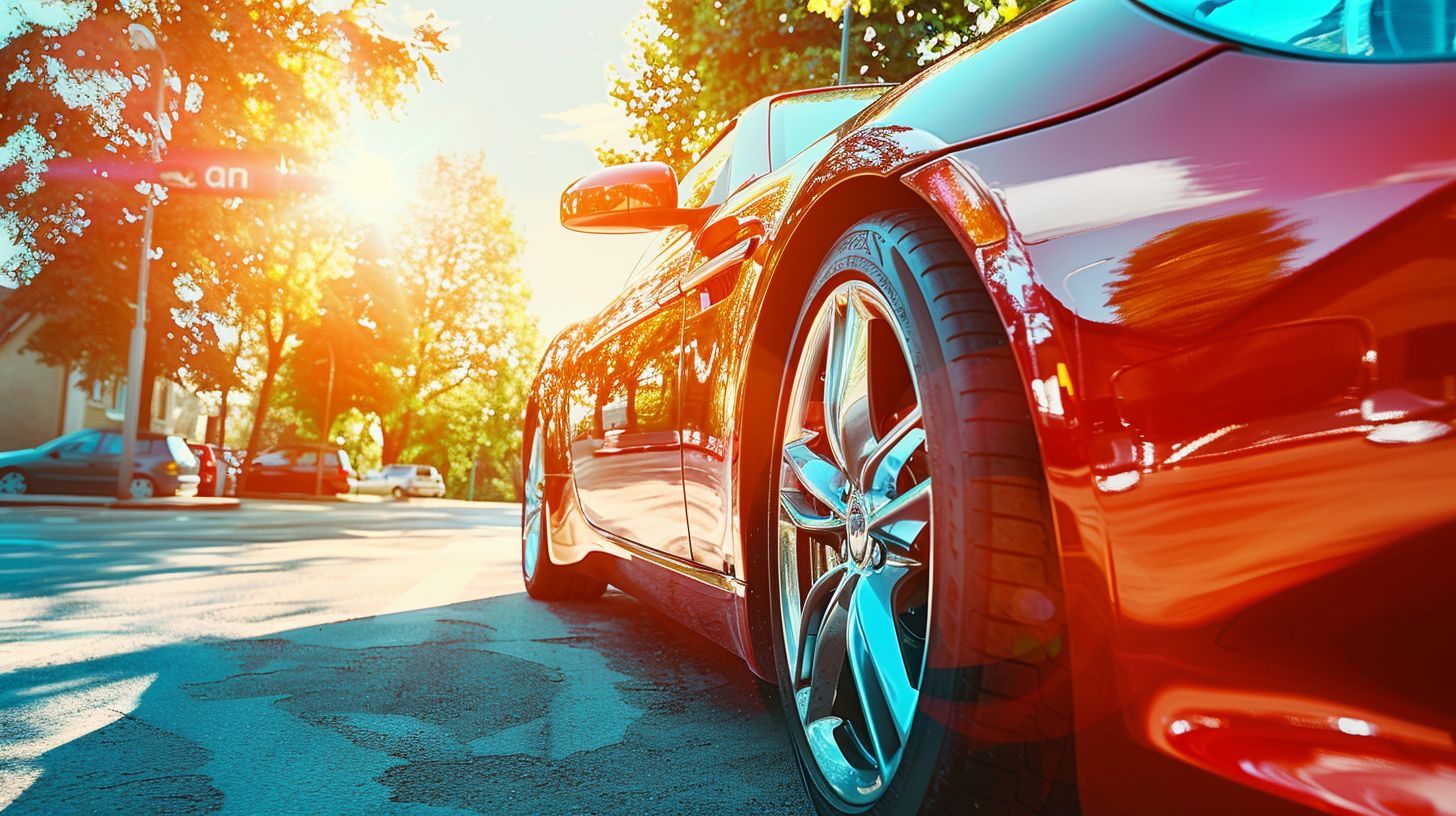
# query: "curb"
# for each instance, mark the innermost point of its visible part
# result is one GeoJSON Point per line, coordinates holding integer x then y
{"type": "Point", "coordinates": [207, 504]}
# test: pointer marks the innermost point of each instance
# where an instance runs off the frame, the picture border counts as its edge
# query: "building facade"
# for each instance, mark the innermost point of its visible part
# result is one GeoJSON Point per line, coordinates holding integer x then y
{"type": "Point", "coordinates": [40, 402]}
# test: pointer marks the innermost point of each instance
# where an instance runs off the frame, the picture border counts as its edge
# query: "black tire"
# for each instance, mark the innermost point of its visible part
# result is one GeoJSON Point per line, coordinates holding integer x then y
{"type": "Point", "coordinates": [991, 734]}
{"type": "Point", "coordinates": [545, 580]}
{"type": "Point", "coordinates": [25, 477]}
{"type": "Point", "coordinates": [397, 492]}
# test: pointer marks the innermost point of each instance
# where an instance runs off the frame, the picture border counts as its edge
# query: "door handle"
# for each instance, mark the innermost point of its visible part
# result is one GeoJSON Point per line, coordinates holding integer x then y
{"type": "Point", "coordinates": [726, 261]}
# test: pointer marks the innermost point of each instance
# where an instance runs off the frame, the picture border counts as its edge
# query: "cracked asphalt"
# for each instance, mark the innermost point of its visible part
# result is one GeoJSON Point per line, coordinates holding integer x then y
{"type": "Point", "coordinates": [305, 658]}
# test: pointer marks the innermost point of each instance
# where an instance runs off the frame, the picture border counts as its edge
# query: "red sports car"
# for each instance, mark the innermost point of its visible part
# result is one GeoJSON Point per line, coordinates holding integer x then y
{"type": "Point", "coordinates": [1070, 428]}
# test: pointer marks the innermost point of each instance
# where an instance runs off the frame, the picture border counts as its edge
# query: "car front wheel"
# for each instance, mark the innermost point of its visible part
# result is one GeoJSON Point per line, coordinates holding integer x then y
{"type": "Point", "coordinates": [14, 483]}
{"type": "Point", "coordinates": [142, 488]}
{"type": "Point", "coordinates": [916, 595]}
{"type": "Point", "coordinates": [544, 579]}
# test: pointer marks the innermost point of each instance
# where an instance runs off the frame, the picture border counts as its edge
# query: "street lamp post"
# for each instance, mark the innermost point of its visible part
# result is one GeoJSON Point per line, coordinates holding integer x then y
{"type": "Point", "coordinates": [142, 39]}
{"type": "Point", "coordinates": [318, 476]}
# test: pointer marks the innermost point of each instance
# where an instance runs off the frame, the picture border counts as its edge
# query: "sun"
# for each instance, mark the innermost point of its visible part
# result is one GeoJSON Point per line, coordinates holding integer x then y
{"type": "Point", "coordinates": [367, 186]}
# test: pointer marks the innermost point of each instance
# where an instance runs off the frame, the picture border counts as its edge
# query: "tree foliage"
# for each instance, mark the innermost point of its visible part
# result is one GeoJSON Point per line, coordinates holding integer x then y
{"type": "Point", "coordinates": [464, 316]}
{"type": "Point", "coordinates": [431, 343]}
{"type": "Point", "coordinates": [691, 66]}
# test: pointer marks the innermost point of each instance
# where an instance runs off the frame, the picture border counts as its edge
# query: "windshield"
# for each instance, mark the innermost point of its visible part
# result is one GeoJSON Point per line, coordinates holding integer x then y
{"type": "Point", "coordinates": [72, 437]}
{"type": "Point", "coordinates": [1349, 29]}
{"type": "Point", "coordinates": [705, 184]}
{"type": "Point", "coordinates": [795, 122]}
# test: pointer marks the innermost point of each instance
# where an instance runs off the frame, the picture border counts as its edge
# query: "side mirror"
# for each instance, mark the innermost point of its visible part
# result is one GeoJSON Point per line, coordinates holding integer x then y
{"type": "Point", "coordinates": [637, 197]}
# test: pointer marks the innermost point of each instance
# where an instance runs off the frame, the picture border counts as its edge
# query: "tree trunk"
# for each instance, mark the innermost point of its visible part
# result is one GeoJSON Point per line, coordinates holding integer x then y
{"type": "Point", "coordinates": [395, 439]}
{"type": "Point", "coordinates": [260, 412]}
{"type": "Point", "coordinates": [222, 418]}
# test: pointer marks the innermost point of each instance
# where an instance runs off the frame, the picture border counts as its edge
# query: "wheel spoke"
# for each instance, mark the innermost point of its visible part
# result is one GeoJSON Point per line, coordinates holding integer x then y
{"type": "Point", "coordinates": [900, 520]}
{"type": "Point", "coordinates": [887, 693]}
{"type": "Point", "coordinates": [882, 466]}
{"type": "Point", "coordinates": [828, 653]}
{"type": "Point", "coordinates": [792, 502]}
{"type": "Point", "coordinates": [816, 606]}
{"type": "Point", "coordinates": [847, 420]}
{"type": "Point", "coordinates": [820, 477]}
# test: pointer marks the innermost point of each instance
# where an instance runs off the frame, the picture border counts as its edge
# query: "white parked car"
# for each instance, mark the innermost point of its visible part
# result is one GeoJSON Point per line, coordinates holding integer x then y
{"type": "Point", "coordinates": [402, 480]}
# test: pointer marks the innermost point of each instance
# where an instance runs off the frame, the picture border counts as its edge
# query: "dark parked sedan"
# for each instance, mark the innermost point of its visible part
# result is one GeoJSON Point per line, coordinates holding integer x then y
{"type": "Point", "coordinates": [297, 469]}
{"type": "Point", "coordinates": [1074, 428]}
{"type": "Point", "coordinates": [89, 462]}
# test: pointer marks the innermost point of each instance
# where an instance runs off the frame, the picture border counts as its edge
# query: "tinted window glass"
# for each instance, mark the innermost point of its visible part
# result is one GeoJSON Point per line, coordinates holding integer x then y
{"type": "Point", "coordinates": [707, 182]}
{"type": "Point", "coordinates": [799, 121]}
{"type": "Point", "coordinates": [424, 472]}
{"type": "Point", "coordinates": [110, 445]}
{"type": "Point", "coordinates": [274, 459]}
{"type": "Point", "coordinates": [1350, 29]}
{"type": "Point", "coordinates": [83, 443]}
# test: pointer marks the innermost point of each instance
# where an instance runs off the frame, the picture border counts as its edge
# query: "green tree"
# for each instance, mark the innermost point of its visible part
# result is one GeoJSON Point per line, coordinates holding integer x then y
{"type": "Point", "coordinates": [467, 341]}
{"type": "Point", "coordinates": [272, 78]}
{"type": "Point", "coordinates": [691, 66]}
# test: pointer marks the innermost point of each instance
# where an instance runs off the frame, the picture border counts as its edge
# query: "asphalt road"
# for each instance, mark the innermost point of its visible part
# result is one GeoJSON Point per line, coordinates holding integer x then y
{"type": "Point", "coordinates": [302, 658]}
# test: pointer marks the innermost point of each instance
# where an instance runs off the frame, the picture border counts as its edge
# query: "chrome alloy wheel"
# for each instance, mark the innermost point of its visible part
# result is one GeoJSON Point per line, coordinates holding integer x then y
{"type": "Point", "coordinates": [13, 483]}
{"type": "Point", "coordinates": [534, 489]}
{"type": "Point", "coordinates": [854, 542]}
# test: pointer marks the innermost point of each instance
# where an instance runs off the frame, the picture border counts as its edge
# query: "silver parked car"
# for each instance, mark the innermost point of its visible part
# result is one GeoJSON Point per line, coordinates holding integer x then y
{"type": "Point", "coordinates": [88, 462]}
{"type": "Point", "coordinates": [402, 480]}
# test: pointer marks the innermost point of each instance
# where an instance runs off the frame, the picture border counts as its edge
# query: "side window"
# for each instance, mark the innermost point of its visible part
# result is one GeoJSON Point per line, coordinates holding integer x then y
{"type": "Point", "coordinates": [707, 182]}
{"type": "Point", "coordinates": [273, 459]}
{"type": "Point", "coordinates": [308, 459]}
{"type": "Point", "coordinates": [83, 444]}
{"type": "Point", "coordinates": [110, 445]}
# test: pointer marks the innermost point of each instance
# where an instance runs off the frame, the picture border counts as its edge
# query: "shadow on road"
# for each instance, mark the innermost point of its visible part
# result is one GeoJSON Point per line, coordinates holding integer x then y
{"type": "Point", "coordinates": [501, 705]}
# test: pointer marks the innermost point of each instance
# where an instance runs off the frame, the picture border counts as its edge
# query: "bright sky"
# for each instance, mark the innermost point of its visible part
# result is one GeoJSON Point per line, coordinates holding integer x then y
{"type": "Point", "coordinates": [526, 83]}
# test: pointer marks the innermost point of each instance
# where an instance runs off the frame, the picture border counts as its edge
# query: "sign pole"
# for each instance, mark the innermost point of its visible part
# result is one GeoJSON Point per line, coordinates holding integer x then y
{"type": "Point", "coordinates": [142, 38]}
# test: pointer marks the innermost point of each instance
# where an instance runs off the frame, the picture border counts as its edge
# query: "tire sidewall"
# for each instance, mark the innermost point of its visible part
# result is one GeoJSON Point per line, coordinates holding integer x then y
{"type": "Point", "coordinates": [866, 253]}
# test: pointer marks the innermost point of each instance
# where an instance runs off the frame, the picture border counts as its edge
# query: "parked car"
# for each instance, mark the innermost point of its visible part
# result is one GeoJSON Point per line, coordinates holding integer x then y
{"type": "Point", "coordinates": [88, 461]}
{"type": "Point", "coordinates": [295, 469]}
{"type": "Point", "coordinates": [401, 481]}
{"type": "Point", "coordinates": [1161, 299]}
{"type": "Point", "coordinates": [213, 470]}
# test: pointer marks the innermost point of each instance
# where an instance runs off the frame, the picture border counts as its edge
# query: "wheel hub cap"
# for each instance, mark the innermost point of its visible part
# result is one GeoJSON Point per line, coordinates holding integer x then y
{"type": "Point", "coordinates": [854, 543]}
{"type": "Point", "coordinates": [857, 528]}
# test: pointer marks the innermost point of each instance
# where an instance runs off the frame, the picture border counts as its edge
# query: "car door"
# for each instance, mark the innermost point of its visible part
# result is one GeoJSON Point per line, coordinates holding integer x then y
{"type": "Point", "coordinates": [269, 472]}
{"type": "Point", "coordinates": [626, 454]}
{"type": "Point", "coordinates": [65, 468]}
{"type": "Point", "coordinates": [105, 464]}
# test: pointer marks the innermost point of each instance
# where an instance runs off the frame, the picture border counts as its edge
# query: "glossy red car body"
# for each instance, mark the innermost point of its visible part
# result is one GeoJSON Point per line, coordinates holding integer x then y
{"type": "Point", "coordinates": [1230, 280]}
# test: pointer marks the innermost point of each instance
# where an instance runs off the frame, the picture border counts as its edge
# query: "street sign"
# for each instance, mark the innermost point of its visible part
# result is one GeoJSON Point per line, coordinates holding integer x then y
{"type": "Point", "coordinates": [226, 173]}
{"type": "Point", "coordinates": [222, 173]}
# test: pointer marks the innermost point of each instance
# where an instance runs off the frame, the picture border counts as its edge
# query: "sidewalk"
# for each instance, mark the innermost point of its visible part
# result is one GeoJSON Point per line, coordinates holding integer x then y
{"type": "Point", "coordinates": [111, 503]}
